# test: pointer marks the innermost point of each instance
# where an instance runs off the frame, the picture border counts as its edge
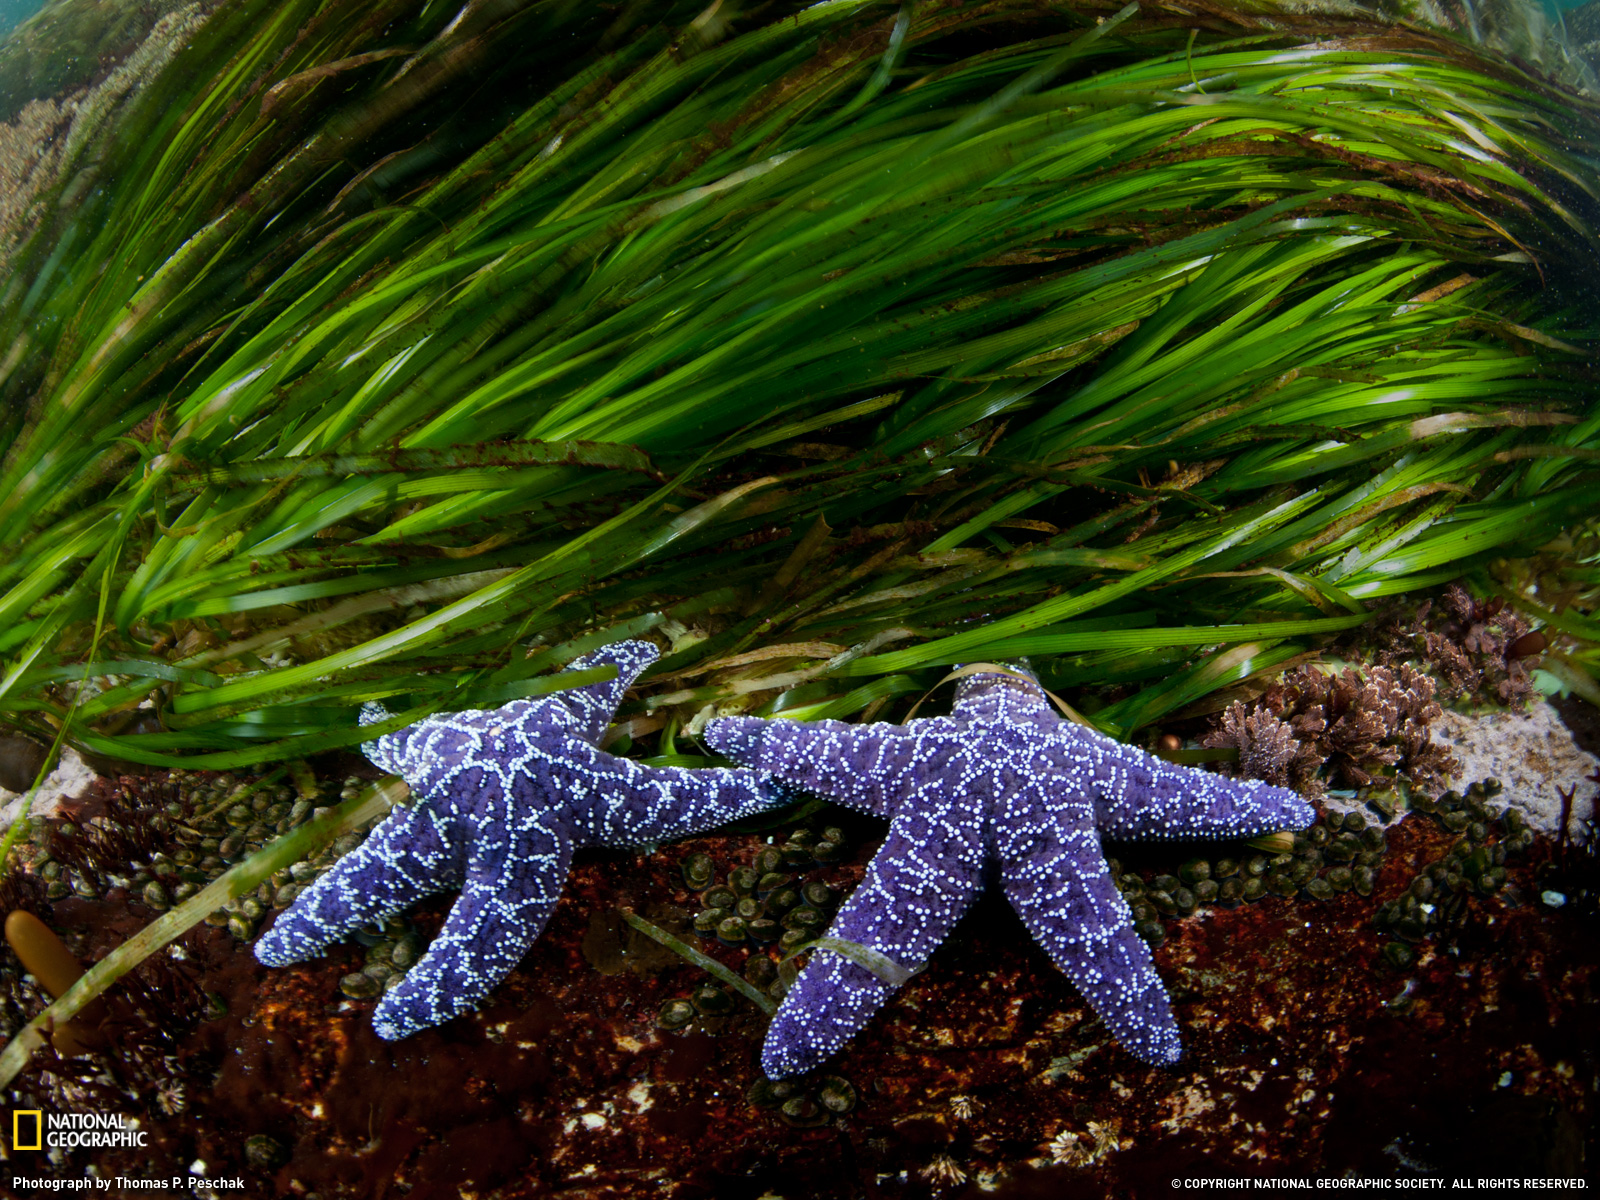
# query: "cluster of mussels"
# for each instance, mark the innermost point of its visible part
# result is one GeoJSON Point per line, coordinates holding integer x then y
{"type": "Point", "coordinates": [163, 842]}
{"type": "Point", "coordinates": [227, 832]}
{"type": "Point", "coordinates": [1340, 853]}
{"type": "Point", "coordinates": [804, 1102]}
{"type": "Point", "coordinates": [771, 909]}
{"type": "Point", "coordinates": [392, 948]}
{"type": "Point", "coordinates": [1473, 866]}
{"type": "Point", "coordinates": [768, 903]}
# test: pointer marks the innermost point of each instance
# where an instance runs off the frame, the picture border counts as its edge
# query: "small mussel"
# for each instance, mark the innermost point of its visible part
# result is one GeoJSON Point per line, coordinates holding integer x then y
{"type": "Point", "coordinates": [805, 918]}
{"type": "Point", "coordinates": [1319, 888]}
{"type": "Point", "coordinates": [1399, 955]}
{"type": "Point", "coordinates": [360, 986]}
{"type": "Point", "coordinates": [772, 1093]}
{"type": "Point", "coordinates": [803, 1112]}
{"type": "Point", "coordinates": [829, 849]}
{"type": "Point", "coordinates": [675, 1014]}
{"type": "Point", "coordinates": [773, 881]}
{"type": "Point", "coordinates": [707, 920]}
{"type": "Point", "coordinates": [264, 1153]}
{"type": "Point", "coordinates": [796, 855]}
{"type": "Point", "coordinates": [1194, 871]}
{"type": "Point", "coordinates": [711, 1001]}
{"type": "Point", "coordinates": [698, 871]}
{"type": "Point", "coordinates": [1345, 847]}
{"type": "Point", "coordinates": [836, 1094]}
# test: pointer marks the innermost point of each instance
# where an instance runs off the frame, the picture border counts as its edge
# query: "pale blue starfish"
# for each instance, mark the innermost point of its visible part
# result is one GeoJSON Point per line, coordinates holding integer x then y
{"type": "Point", "coordinates": [1002, 782]}
{"type": "Point", "coordinates": [502, 797]}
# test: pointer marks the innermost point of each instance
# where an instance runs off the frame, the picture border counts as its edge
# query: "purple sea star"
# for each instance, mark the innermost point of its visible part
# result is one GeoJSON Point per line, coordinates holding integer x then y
{"type": "Point", "coordinates": [1001, 781]}
{"type": "Point", "coordinates": [502, 798]}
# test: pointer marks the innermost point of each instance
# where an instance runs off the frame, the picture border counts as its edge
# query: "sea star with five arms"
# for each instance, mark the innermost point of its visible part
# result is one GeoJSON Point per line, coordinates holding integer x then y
{"type": "Point", "coordinates": [502, 798]}
{"type": "Point", "coordinates": [1002, 782]}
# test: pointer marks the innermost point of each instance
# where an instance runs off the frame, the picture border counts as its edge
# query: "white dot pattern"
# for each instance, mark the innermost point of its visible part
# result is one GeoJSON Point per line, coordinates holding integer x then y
{"type": "Point", "coordinates": [1002, 781]}
{"type": "Point", "coordinates": [502, 797]}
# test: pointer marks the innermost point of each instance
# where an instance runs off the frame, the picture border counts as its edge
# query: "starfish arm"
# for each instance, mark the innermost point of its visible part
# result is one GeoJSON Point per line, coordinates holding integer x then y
{"type": "Point", "coordinates": [1138, 795]}
{"type": "Point", "coordinates": [407, 857]}
{"type": "Point", "coordinates": [923, 878]}
{"type": "Point", "coordinates": [1056, 879]}
{"type": "Point", "coordinates": [432, 753]}
{"type": "Point", "coordinates": [586, 711]}
{"type": "Point", "coordinates": [1005, 697]}
{"type": "Point", "coordinates": [869, 767]}
{"type": "Point", "coordinates": [618, 802]}
{"type": "Point", "coordinates": [512, 883]}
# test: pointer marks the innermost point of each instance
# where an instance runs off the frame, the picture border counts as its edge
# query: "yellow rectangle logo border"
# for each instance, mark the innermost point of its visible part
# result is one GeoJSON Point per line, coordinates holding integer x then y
{"type": "Point", "coordinates": [38, 1130]}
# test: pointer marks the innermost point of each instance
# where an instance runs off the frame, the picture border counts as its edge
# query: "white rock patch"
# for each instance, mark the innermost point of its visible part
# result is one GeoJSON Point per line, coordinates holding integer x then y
{"type": "Point", "coordinates": [1532, 753]}
{"type": "Point", "coordinates": [67, 782]}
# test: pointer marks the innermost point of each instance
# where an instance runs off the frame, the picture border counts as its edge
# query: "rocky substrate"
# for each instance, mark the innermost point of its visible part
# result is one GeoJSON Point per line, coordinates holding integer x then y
{"type": "Point", "coordinates": [608, 1066]}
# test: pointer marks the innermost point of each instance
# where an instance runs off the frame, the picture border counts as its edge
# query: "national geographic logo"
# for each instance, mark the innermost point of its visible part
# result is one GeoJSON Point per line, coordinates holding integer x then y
{"type": "Point", "coordinates": [34, 1129]}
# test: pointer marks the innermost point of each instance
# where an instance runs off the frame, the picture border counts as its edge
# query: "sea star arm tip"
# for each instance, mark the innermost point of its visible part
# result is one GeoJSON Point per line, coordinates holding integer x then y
{"type": "Point", "coordinates": [912, 896]}
{"type": "Point", "coordinates": [512, 885]}
{"type": "Point", "coordinates": [1138, 795]}
{"type": "Point", "coordinates": [1058, 883]}
{"type": "Point", "coordinates": [408, 856]}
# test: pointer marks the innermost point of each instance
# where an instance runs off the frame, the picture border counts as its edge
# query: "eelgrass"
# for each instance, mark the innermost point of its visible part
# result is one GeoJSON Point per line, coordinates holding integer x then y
{"type": "Point", "coordinates": [836, 347]}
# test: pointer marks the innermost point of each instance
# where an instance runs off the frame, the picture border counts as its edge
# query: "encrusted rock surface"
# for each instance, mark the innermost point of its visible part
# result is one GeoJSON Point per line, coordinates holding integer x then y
{"type": "Point", "coordinates": [1531, 752]}
{"type": "Point", "coordinates": [1308, 1053]}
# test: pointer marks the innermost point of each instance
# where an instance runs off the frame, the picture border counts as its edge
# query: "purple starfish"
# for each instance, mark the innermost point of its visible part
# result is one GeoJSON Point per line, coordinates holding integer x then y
{"type": "Point", "coordinates": [502, 798]}
{"type": "Point", "coordinates": [1001, 780]}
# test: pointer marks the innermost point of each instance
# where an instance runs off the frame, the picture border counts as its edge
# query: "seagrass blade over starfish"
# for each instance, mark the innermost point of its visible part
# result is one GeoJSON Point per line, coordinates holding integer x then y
{"type": "Point", "coordinates": [1002, 781]}
{"type": "Point", "coordinates": [502, 798]}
